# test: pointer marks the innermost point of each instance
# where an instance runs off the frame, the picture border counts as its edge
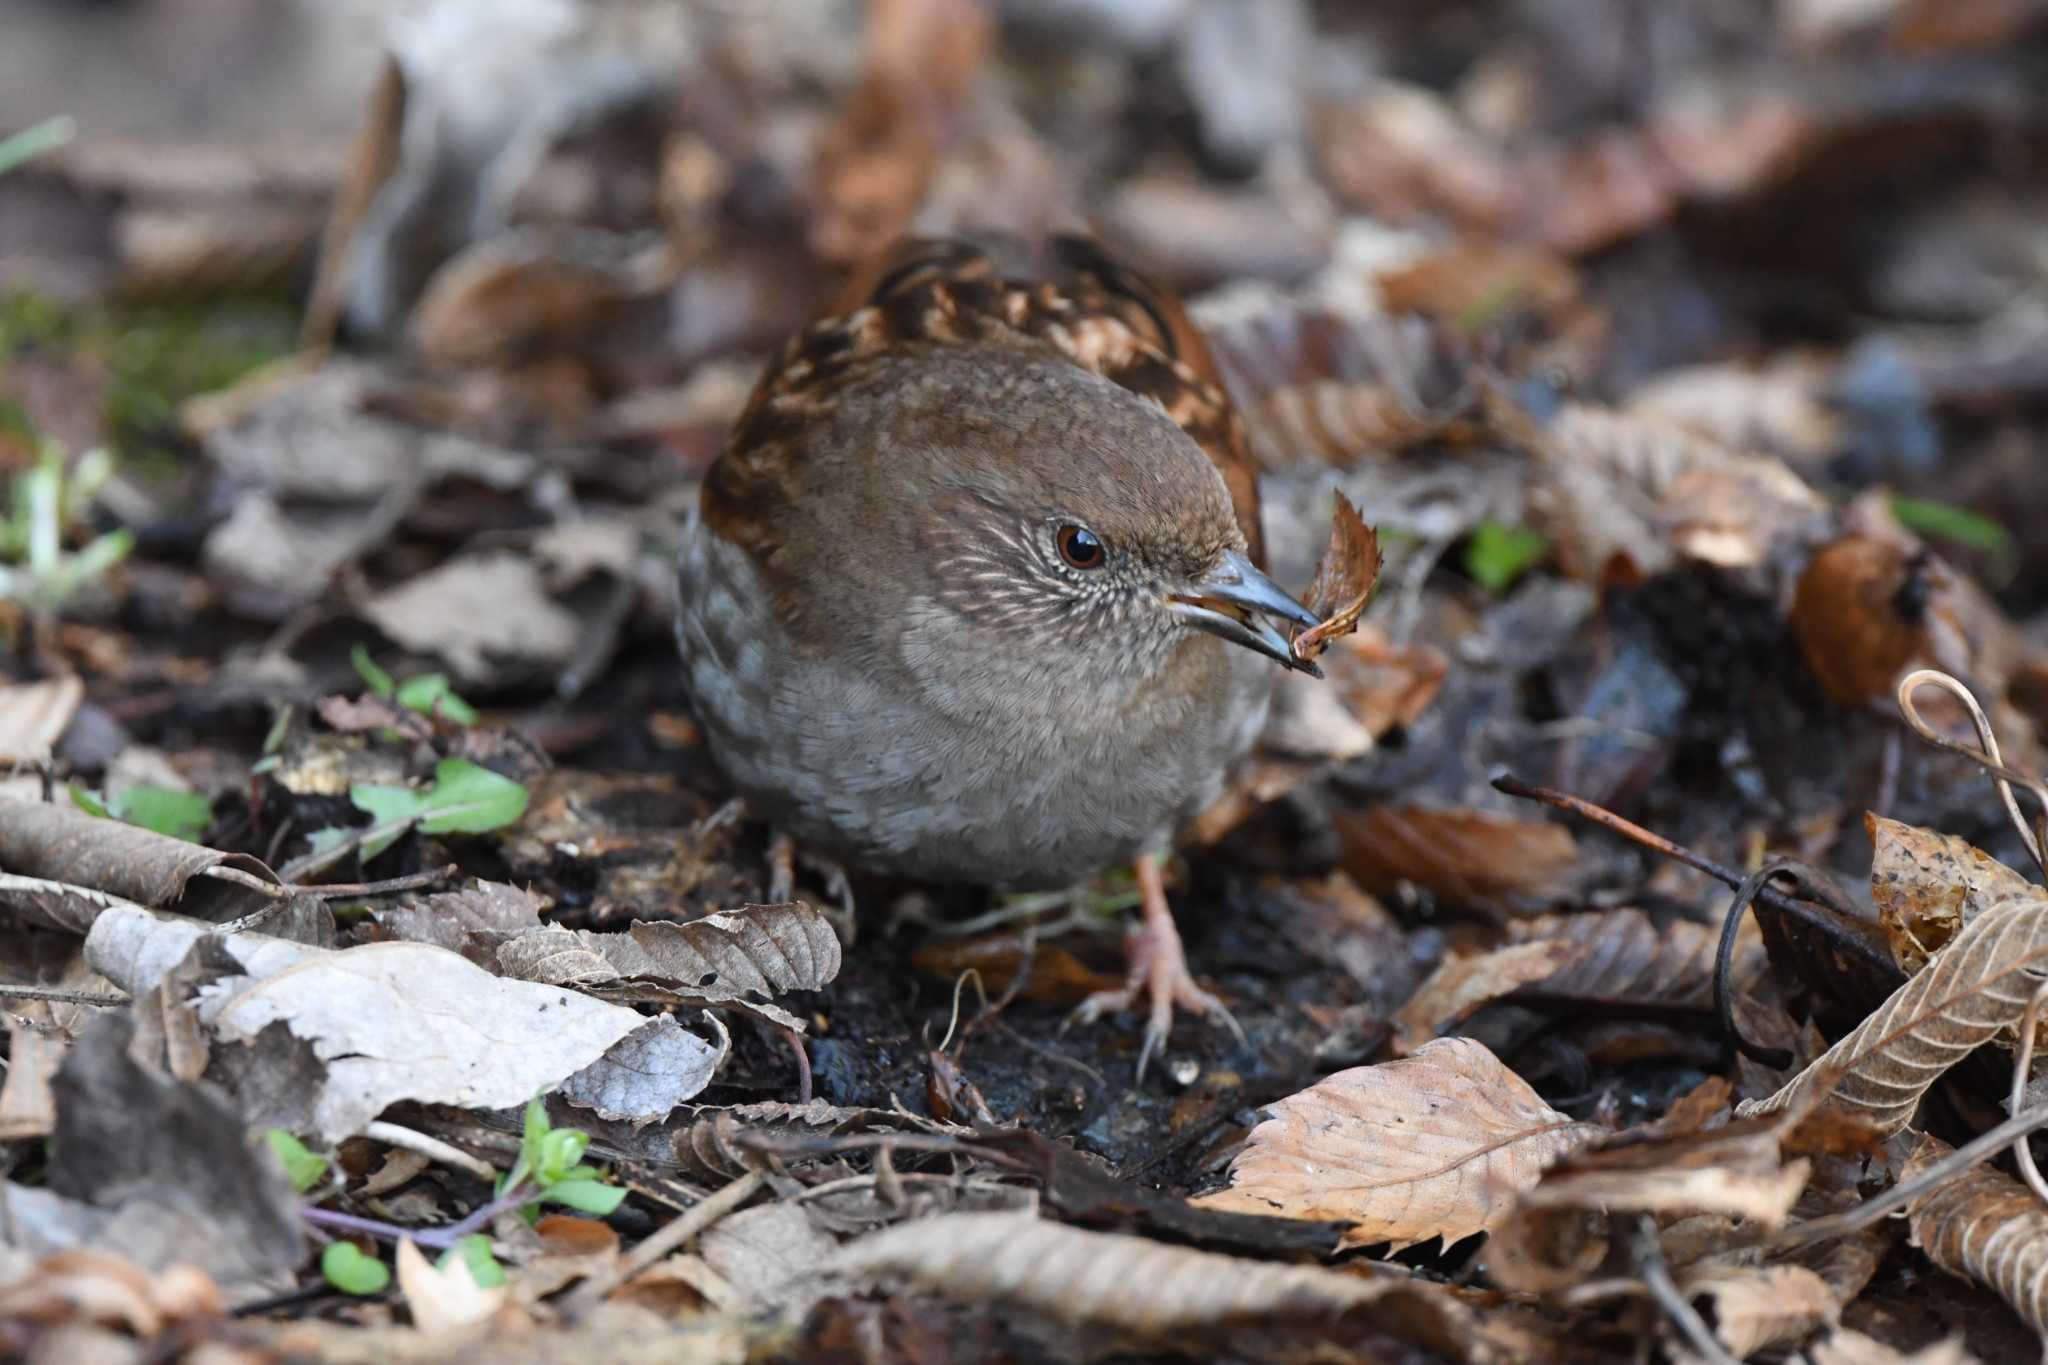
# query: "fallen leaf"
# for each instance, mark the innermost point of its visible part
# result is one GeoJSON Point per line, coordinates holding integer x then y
{"type": "Point", "coordinates": [1464, 856]}
{"type": "Point", "coordinates": [1985, 1226]}
{"type": "Point", "coordinates": [1462, 983]}
{"type": "Point", "coordinates": [1432, 1145]}
{"type": "Point", "coordinates": [489, 615]}
{"type": "Point", "coordinates": [443, 1299]}
{"type": "Point", "coordinates": [85, 861]}
{"type": "Point", "coordinates": [1344, 579]}
{"type": "Point", "coordinates": [1926, 885]}
{"type": "Point", "coordinates": [1970, 991]}
{"type": "Point", "coordinates": [1137, 1286]}
{"type": "Point", "coordinates": [1755, 1308]}
{"type": "Point", "coordinates": [1867, 609]}
{"type": "Point", "coordinates": [34, 716]}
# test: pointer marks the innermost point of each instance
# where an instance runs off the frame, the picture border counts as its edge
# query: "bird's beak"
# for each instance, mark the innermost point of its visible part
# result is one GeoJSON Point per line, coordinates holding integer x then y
{"type": "Point", "coordinates": [1234, 601]}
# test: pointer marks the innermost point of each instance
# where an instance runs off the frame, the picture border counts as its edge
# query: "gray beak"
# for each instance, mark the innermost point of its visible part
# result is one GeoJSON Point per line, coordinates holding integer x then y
{"type": "Point", "coordinates": [1233, 602]}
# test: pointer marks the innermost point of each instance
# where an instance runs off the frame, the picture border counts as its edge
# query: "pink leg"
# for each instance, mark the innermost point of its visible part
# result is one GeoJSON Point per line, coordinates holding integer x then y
{"type": "Point", "coordinates": [1159, 974]}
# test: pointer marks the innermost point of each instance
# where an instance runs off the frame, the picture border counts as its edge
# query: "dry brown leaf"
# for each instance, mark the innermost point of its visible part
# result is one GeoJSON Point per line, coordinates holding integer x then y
{"type": "Point", "coordinates": [1433, 1145]}
{"type": "Point", "coordinates": [34, 716]}
{"type": "Point", "coordinates": [1467, 857]}
{"type": "Point", "coordinates": [1344, 579]}
{"type": "Point", "coordinates": [1986, 1226]}
{"type": "Point", "coordinates": [1927, 885]}
{"type": "Point", "coordinates": [1779, 409]}
{"type": "Point", "coordinates": [1628, 958]}
{"type": "Point", "coordinates": [1140, 1287]}
{"type": "Point", "coordinates": [1971, 990]}
{"type": "Point", "coordinates": [1386, 686]}
{"type": "Point", "coordinates": [1867, 608]}
{"type": "Point", "coordinates": [1558, 1233]}
{"type": "Point", "coordinates": [1464, 982]}
{"type": "Point", "coordinates": [1754, 1308]}
{"type": "Point", "coordinates": [444, 1299]}
{"type": "Point", "coordinates": [734, 960]}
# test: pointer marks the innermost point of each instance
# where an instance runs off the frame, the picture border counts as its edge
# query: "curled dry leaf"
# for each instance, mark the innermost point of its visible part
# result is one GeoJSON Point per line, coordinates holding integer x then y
{"type": "Point", "coordinates": [1464, 856]}
{"type": "Point", "coordinates": [1753, 1308]}
{"type": "Point", "coordinates": [43, 840]}
{"type": "Point", "coordinates": [1433, 1145]}
{"type": "Point", "coordinates": [1463, 983]}
{"type": "Point", "coordinates": [1344, 579]}
{"type": "Point", "coordinates": [1986, 1226]}
{"type": "Point", "coordinates": [1844, 1347]}
{"type": "Point", "coordinates": [1558, 1233]}
{"type": "Point", "coordinates": [1140, 1287]}
{"type": "Point", "coordinates": [1970, 991]}
{"type": "Point", "coordinates": [736, 960]}
{"type": "Point", "coordinates": [1867, 608]}
{"type": "Point", "coordinates": [1927, 885]}
{"type": "Point", "coordinates": [1628, 957]}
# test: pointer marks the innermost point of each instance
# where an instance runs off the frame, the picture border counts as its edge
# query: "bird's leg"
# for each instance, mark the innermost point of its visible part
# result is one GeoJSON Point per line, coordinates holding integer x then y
{"type": "Point", "coordinates": [783, 856]}
{"type": "Point", "coordinates": [781, 867]}
{"type": "Point", "coordinates": [1159, 973]}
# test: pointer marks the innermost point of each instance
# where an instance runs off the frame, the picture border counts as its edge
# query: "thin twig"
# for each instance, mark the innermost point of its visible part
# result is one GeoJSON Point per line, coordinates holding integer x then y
{"type": "Point", "coordinates": [222, 873]}
{"type": "Point", "coordinates": [2022, 1151]}
{"type": "Point", "coordinates": [1649, 1259]}
{"type": "Point", "coordinates": [59, 996]}
{"type": "Point", "coordinates": [411, 882]}
{"type": "Point", "coordinates": [1981, 1148]}
{"type": "Point", "coordinates": [430, 1147]}
{"type": "Point", "coordinates": [671, 1236]}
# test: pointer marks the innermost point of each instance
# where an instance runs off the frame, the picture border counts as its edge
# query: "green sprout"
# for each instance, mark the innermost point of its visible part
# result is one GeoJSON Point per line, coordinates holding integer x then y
{"type": "Point", "coordinates": [429, 693]}
{"type": "Point", "coordinates": [1497, 555]}
{"type": "Point", "coordinates": [182, 815]}
{"type": "Point", "coordinates": [35, 568]}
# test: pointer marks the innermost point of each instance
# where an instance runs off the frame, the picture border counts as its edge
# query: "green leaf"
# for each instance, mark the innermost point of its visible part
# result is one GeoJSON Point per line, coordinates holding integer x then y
{"type": "Point", "coordinates": [430, 694]}
{"type": "Point", "coordinates": [89, 802]}
{"type": "Point", "coordinates": [352, 1272]}
{"type": "Point", "coordinates": [585, 1196]}
{"type": "Point", "coordinates": [1497, 555]}
{"type": "Point", "coordinates": [463, 799]}
{"type": "Point", "coordinates": [36, 139]}
{"type": "Point", "coordinates": [374, 678]}
{"type": "Point", "coordinates": [1946, 521]}
{"type": "Point", "coordinates": [475, 1252]}
{"type": "Point", "coordinates": [303, 1168]}
{"type": "Point", "coordinates": [182, 815]}
{"type": "Point", "coordinates": [560, 1151]}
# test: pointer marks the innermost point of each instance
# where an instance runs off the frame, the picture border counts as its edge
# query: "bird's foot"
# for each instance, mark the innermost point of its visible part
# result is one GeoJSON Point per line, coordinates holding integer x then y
{"type": "Point", "coordinates": [1159, 977]}
{"type": "Point", "coordinates": [783, 856]}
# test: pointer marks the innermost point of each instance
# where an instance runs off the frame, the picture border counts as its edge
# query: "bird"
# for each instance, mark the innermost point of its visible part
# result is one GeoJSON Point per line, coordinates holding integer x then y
{"type": "Point", "coordinates": [973, 593]}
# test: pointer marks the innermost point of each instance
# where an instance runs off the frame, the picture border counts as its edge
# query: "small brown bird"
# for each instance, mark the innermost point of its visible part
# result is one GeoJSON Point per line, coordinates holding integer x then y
{"type": "Point", "coordinates": [973, 593]}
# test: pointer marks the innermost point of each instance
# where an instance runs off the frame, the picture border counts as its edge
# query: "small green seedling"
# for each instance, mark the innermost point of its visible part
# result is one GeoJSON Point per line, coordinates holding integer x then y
{"type": "Point", "coordinates": [430, 693]}
{"type": "Point", "coordinates": [182, 815]}
{"type": "Point", "coordinates": [303, 1167]}
{"type": "Point", "coordinates": [350, 1269]}
{"type": "Point", "coordinates": [552, 1160]}
{"type": "Point", "coordinates": [462, 799]}
{"type": "Point", "coordinates": [1497, 555]}
{"type": "Point", "coordinates": [474, 1251]}
{"type": "Point", "coordinates": [35, 568]}
{"type": "Point", "coordinates": [35, 140]}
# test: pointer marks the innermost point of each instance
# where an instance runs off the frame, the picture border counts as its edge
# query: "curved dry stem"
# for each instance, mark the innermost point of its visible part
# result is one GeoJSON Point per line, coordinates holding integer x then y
{"type": "Point", "coordinates": [1988, 758]}
{"type": "Point", "coordinates": [2022, 1149]}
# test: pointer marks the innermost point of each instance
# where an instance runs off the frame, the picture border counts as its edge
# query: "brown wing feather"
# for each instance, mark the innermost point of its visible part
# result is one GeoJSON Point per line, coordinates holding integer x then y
{"type": "Point", "coordinates": [1082, 301]}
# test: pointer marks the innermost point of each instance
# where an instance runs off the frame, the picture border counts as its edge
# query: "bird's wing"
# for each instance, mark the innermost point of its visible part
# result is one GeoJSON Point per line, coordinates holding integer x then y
{"type": "Point", "coordinates": [1081, 301]}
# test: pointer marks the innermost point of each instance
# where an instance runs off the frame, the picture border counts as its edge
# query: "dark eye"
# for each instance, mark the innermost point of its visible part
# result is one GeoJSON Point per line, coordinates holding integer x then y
{"type": "Point", "coordinates": [1079, 546]}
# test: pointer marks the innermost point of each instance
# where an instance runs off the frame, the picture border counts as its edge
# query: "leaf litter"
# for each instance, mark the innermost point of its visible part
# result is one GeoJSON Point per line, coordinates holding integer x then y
{"type": "Point", "coordinates": [1632, 500]}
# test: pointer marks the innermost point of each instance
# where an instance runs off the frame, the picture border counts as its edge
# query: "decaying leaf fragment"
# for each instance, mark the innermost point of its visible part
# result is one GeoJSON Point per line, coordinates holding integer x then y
{"type": "Point", "coordinates": [1970, 991]}
{"type": "Point", "coordinates": [737, 959]}
{"type": "Point", "coordinates": [1986, 1226]}
{"type": "Point", "coordinates": [1433, 1145]}
{"type": "Point", "coordinates": [1139, 1287]}
{"type": "Point", "coordinates": [1344, 579]}
{"type": "Point", "coordinates": [1558, 1233]}
{"type": "Point", "coordinates": [1752, 1308]}
{"type": "Point", "coordinates": [1465, 856]}
{"type": "Point", "coordinates": [1927, 885]}
{"type": "Point", "coordinates": [1462, 983]}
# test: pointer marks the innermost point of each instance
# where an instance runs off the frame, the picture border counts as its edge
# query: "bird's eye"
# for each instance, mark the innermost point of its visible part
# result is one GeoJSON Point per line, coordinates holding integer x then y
{"type": "Point", "coordinates": [1080, 547]}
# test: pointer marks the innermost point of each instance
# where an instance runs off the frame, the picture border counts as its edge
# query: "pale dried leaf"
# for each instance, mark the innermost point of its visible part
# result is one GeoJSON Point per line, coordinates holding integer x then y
{"type": "Point", "coordinates": [1344, 579]}
{"type": "Point", "coordinates": [445, 1299]}
{"type": "Point", "coordinates": [34, 716]}
{"type": "Point", "coordinates": [399, 1021]}
{"type": "Point", "coordinates": [1754, 1308]}
{"type": "Point", "coordinates": [1970, 991]}
{"type": "Point", "coordinates": [1986, 1226]}
{"type": "Point", "coordinates": [1844, 1347]}
{"type": "Point", "coordinates": [1927, 885]}
{"type": "Point", "coordinates": [1137, 1286]}
{"type": "Point", "coordinates": [767, 1253]}
{"type": "Point", "coordinates": [482, 613]}
{"type": "Point", "coordinates": [1462, 983]}
{"type": "Point", "coordinates": [1433, 1145]}
{"type": "Point", "coordinates": [1779, 409]}
{"type": "Point", "coordinates": [35, 1049]}
{"type": "Point", "coordinates": [647, 1073]}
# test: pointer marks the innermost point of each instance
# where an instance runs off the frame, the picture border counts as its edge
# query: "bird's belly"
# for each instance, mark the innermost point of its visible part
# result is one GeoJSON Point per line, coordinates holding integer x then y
{"type": "Point", "coordinates": [875, 776]}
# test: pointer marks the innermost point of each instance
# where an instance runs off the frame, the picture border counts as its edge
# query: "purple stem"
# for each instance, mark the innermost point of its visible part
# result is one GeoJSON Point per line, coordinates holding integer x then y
{"type": "Point", "coordinates": [439, 1238]}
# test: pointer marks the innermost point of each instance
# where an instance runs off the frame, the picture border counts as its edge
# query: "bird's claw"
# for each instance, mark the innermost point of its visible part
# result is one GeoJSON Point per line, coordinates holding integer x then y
{"type": "Point", "coordinates": [1160, 979]}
